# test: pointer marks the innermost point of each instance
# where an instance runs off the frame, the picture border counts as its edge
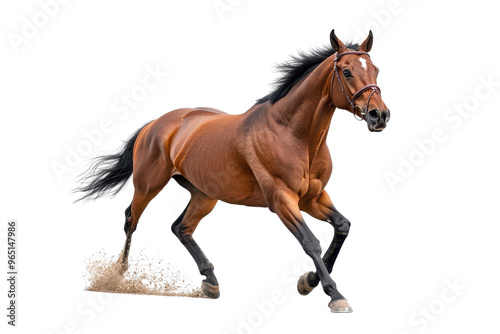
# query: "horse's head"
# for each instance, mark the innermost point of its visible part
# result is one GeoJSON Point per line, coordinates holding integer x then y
{"type": "Point", "coordinates": [354, 84]}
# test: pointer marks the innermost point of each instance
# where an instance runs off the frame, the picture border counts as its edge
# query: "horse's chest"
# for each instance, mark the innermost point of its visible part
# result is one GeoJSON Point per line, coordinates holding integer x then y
{"type": "Point", "coordinates": [310, 187]}
{"type": "Point", "coordinates": [316, 178]}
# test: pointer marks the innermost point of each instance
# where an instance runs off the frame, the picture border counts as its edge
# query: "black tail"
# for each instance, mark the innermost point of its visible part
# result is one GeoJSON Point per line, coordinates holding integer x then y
{"type": "Point", "coordinates": [109, 173]}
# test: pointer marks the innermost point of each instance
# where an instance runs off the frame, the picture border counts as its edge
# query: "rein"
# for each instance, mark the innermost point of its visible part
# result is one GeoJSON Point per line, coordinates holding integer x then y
{"type": "Point", "coordinates": [373, 87]}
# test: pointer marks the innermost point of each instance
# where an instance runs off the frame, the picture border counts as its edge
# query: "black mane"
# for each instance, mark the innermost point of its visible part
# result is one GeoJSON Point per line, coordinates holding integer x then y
{"type": "Point", "coordinates": [297, 68]}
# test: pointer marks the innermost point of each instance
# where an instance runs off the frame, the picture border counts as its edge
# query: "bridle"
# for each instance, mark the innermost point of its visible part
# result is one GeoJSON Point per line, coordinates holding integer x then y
{"type": "Point", "coordinates": [374, 88]}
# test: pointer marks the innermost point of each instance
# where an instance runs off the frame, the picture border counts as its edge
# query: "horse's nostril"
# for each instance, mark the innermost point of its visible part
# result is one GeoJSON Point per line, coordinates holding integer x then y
{"type": "Point", "coordinates": [373, 114]}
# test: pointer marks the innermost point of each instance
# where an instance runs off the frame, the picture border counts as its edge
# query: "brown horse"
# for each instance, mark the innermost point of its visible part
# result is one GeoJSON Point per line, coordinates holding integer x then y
{"type": "Point", "coordinates": [274, 155]}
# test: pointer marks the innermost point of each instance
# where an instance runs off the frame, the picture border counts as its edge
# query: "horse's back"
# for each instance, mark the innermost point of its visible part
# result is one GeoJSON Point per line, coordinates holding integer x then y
{"type": "Point", "coordinates": [176, 127]}
{"type": "Point", "coordinates": [184, 119]}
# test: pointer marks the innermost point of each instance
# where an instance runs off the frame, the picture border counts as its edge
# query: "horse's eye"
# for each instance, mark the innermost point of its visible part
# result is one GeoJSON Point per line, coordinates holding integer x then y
{"type": "Point", "coordinates": [347, 73]}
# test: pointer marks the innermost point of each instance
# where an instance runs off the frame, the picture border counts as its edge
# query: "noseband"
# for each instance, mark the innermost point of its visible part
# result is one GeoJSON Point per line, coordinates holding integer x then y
{"type": "Point", "coordinates": [374, 88]}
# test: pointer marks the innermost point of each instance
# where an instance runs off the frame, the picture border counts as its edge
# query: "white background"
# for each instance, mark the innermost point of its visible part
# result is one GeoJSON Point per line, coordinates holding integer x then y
{"type": "Point", "coordinates": [436, 227]}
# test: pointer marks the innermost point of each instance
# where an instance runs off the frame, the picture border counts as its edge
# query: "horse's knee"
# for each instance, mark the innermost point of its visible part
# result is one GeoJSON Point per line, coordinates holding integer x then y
{"type": "Point", "coordinates": [342, 226]}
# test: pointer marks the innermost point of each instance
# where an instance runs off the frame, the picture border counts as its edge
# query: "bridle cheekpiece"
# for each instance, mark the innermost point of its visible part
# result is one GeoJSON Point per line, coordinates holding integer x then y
{"type": "Point", "coordinates": [373, 87]}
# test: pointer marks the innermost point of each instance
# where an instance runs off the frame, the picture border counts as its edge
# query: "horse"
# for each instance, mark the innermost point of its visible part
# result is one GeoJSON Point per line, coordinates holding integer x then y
{"type": "Point", "coordinates": [274, 155]}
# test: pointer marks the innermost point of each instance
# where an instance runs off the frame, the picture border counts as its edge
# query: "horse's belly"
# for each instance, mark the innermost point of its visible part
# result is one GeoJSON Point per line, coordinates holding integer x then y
{"type": "Point", "coordinates": [224, 179]}
{"type": "Point", "coordinates": [227, 181]}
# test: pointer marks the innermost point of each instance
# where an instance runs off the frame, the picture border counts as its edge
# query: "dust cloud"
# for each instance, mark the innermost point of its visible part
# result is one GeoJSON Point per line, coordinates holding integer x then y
{"type": "Point", "coordinates": [145, 276]}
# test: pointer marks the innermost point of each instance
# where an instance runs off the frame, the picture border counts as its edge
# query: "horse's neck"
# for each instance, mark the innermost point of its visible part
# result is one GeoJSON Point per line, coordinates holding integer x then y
{"type": "Point", "coordinates": [307, 109]}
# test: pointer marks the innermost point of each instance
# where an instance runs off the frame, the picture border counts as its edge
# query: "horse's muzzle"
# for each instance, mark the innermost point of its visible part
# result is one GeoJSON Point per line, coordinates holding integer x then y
{"type": "Point", "coordinates": [377, 120]}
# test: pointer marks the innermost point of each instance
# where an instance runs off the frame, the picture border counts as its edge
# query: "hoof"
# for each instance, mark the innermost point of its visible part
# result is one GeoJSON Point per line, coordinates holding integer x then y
{"type": "Point", "coordinates": [303, 285]}
{"type": "Point", "coordinates": [209, 290]}
{"type": "Point", "coordinates": [340, 306]}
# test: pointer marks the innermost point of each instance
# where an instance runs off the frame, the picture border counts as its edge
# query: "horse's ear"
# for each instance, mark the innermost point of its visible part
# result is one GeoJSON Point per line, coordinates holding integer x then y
{"type": "Point", "coordinates": [337, 44]}
{"type": "Point", "coordinates": [366, 46]}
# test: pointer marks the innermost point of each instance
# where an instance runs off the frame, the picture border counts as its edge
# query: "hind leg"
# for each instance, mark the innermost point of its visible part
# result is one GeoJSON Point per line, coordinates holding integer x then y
{"type": "Point", "coordinates": [150, 176]}
{"type": "Point", "coordinates": [132, 215]}
{"type": "Point", "coordinates": [198, 207]}
{"type": "Point", "coordinates": [123, 259]}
